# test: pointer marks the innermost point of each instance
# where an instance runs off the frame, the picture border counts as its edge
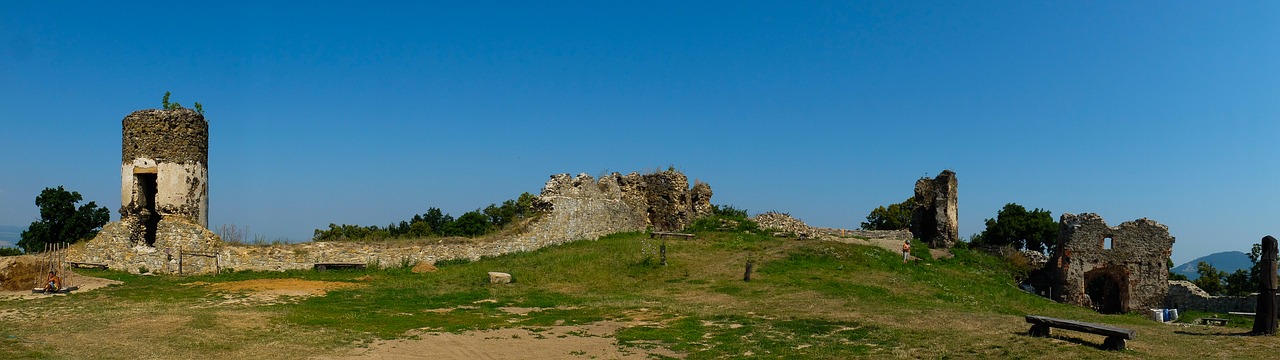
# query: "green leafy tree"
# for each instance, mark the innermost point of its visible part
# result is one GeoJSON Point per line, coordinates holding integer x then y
{"type": "Point", "coordinates": [1015, 226]}
{"type": "Point", "coordinates": [61, 221]}
{"type": "Point", "coordinates": [895, 217]}
{"type": "Point", "coordinates": [437, 220]}
{"type": "Point", "coordinates": [473, 223]}
{"type": "Point", "coordinates": [1210, 279]}
{"type": "Point", "coordinates": [1238, 283]}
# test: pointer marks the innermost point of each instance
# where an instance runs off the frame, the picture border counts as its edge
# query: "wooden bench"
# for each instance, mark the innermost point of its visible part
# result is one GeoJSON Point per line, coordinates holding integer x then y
{"type": "Point", "coordinates": [327, 266]}
{"type": "Point", "coordinates": [661, 234]}
{"type": "Point", "coordinates": [85, 265]}
{"type": "Point", "coordinates": [1115, 336]}
{"type": "Point", "coordinates": [1215, 321]}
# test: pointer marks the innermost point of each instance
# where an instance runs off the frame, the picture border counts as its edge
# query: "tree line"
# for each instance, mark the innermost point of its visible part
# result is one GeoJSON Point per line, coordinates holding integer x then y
{"type": "Point", "coordinates": [435, 223]}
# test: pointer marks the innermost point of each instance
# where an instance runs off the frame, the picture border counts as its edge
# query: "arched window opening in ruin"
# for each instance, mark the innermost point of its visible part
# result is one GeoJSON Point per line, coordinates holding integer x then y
{"type": "Point", "coordinates": [1106, 291]}
{"type": "Point", "coordinates": [146, 185]}
{"type": "Point", "coordinates": [1107, 242]}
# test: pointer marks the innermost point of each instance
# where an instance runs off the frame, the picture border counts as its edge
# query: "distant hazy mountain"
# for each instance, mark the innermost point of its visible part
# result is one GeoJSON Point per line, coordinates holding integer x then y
{"type": "Point", "coordinates": [9, 235]}
{"type": "Point", "coordinates": [1227, 261]}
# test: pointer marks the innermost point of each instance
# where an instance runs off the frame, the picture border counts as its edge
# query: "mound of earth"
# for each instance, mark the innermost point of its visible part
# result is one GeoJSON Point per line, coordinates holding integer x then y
{"type": "Point", "coordinates": [19, 272]}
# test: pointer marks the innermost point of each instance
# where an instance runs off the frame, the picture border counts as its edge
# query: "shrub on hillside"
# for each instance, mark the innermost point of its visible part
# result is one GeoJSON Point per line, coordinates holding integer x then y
{"type": "Point", "coordinates": [10, 251]}
{"type": "Point", "coordinates": [724, 218]}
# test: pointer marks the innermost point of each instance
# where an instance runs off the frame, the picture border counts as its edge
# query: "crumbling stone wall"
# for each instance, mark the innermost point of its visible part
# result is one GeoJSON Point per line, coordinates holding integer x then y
{"type": "Point", "coordinates": [934, 219]}
{"type": "Point", "coordinates": [172, 148]}
{"type": "Point", "coordinates": [1130, 275]}
{"type": "Point", "coordinates": [662, 200]}
{"type": "Point", "coordinates": [576, 208]}
{"type": "Point", "coordinates": [784, 224]}
{"type": "Point", "coordinates": [1185, 295]}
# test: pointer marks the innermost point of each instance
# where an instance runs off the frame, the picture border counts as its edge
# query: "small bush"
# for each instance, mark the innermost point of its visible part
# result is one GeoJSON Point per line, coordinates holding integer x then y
{"type": "Point", "coordinates": [10, 251]}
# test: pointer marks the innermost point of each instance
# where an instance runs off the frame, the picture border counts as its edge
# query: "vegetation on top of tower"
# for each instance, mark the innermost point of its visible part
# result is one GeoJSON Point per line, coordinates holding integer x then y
{"type": "Point", "coordinates": [173, 105]}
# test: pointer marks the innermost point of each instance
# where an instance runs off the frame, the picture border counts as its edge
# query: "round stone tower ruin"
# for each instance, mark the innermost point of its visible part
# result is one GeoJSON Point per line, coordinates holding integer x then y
{"type": "Point", "coordinates": [164, 172]}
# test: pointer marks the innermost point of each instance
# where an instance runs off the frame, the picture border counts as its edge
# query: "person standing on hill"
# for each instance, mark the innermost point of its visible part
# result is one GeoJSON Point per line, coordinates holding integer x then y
{"type": "Point", "coordinates": [906, 250]}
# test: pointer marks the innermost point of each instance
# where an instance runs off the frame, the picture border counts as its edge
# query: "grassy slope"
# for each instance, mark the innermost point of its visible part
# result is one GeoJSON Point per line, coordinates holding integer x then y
{"type": "Point", "coordinates": [807, 299]}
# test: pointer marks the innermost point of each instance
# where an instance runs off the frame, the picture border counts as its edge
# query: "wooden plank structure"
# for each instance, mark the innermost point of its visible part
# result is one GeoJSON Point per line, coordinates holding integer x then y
{"type": "Point", "coordinates": [54, 259]}
{"type": "Point", "coordinates": [335, 266]}
{"type": "Point", "coordinates": [86, 265]}
{"type": "Point", "coordinates": [663, 234]}
{"type": "Point", "coordinates": [1115, 336]}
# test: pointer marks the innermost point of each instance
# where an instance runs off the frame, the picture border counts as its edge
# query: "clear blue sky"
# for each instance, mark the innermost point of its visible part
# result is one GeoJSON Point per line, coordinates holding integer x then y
{"type": "Point", "coordinates": [360, 113]}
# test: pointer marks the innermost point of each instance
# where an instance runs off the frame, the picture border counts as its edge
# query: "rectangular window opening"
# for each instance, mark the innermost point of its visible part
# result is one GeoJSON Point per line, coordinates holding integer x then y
{"type": "Point", "coordinates": [1107, 243]}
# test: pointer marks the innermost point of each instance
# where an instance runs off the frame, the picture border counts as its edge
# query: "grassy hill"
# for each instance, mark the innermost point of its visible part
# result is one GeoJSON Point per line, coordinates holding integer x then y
{"type": "Point", "coordinates": [807, 299]}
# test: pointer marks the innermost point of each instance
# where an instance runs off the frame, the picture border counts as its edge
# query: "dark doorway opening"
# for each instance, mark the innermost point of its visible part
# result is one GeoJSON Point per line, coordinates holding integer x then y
{"type": "Point", "coordinates": [1105, 291]}
{"type": "Point", "coordinates": [147, 197]}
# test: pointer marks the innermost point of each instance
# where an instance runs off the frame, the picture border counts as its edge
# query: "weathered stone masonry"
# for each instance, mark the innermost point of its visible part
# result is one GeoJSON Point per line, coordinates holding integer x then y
{"type": "Point", "coordinates": [1111, 269]}
{"type": "Point", "coordinates": [935, 217]}
{"type": "Point", "coordinates": [173, 146]}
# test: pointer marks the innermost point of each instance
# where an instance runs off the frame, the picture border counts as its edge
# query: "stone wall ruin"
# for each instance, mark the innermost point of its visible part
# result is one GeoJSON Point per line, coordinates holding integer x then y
{"type": "Point", "coordinates": [574, 208]}
{"type": "Point", "coordinates": [1111, 269]}
{"type": "Point", "coordinates": [935, 217]}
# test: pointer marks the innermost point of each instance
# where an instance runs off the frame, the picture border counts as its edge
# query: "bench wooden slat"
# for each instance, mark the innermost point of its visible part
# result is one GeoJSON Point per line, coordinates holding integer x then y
{"type": "Point", "coordinates": [327, 266]}
{"type": "Point", "coordinates": [663, 233]}
{"type": "Point", "coordinates": [1080, 326]}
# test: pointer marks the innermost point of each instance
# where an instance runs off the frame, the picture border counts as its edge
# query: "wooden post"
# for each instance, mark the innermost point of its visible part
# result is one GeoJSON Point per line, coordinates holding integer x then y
{"type": "Point", "coordinates": [662, 249]}
{"type": "Point", "coordinates": [1264, 318]}
{"type": "Point", "coordinates": [179, 260]}
{"type": "Point", "coordinates": [746, 276]}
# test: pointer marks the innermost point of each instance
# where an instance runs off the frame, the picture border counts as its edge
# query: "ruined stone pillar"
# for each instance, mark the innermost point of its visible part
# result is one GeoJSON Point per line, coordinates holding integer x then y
{"type": "Point", "coordinates": [934, 219]}
{"type": "Point", "coordinates": [1264, 320]}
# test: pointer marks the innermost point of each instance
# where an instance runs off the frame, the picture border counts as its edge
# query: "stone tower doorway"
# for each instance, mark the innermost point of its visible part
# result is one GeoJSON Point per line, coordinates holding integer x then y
{"type": "Point", "coordinates": [147, 196]}
{"type": "Point", "coordinates": [1105, 290]}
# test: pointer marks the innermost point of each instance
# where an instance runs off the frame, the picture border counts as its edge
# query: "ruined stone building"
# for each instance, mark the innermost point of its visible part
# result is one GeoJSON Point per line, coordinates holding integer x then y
{"type": "Point", "coordinates": [1111, 269]}
{"type": "Point", "coordinates": [935, 217]}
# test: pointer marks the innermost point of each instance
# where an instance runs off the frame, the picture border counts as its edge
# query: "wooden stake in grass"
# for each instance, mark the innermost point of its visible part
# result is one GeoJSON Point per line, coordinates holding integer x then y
{"type": "Point", "coordinates": [746, 276]}
{"type": "Point", "coordinates": [662, 251]}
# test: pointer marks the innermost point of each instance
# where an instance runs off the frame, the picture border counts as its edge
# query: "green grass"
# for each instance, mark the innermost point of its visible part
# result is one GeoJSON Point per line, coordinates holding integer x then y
{"type": "Point", "coordinates": [807, 299]}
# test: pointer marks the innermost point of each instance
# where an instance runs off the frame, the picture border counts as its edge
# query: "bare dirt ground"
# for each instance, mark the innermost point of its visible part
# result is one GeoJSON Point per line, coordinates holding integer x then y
{"type": "Point", "coordinates": [272, 291]}
{"type": "Point", "coordinates": [589, 341]}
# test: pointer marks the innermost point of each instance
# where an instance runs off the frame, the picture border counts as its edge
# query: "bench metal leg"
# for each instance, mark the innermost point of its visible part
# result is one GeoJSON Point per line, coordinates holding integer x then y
{"type": "Point", "coordinates": [1113, 343]}
{"type": "Point", "coordinates": [1039, 330]}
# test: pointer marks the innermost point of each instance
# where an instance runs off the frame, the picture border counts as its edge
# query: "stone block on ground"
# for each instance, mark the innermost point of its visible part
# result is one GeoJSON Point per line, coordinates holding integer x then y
{"type": "Point", "coordinates": [499, 277]}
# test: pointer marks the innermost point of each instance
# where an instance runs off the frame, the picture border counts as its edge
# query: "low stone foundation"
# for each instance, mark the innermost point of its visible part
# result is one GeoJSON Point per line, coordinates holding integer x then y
{"type": "Point", "coordinates": [1184, 295]}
